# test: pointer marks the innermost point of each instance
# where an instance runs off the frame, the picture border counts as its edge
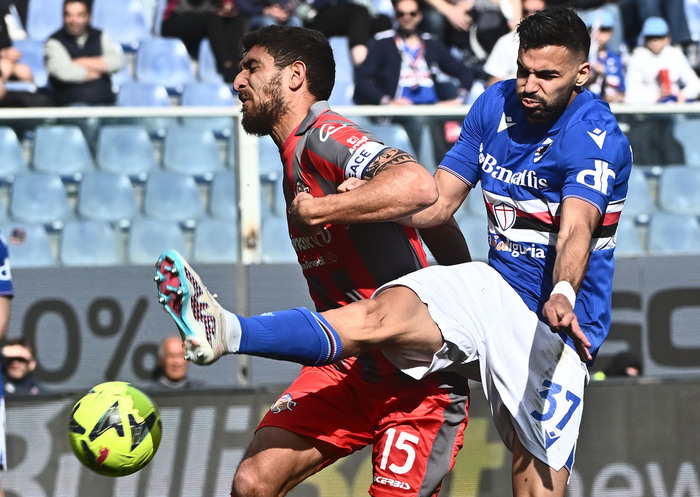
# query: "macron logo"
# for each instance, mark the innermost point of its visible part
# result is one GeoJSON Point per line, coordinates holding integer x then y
{"type": "Point", "coordinates": [506, 122]}
{"type": "Point", "coordinates": [598, 137]}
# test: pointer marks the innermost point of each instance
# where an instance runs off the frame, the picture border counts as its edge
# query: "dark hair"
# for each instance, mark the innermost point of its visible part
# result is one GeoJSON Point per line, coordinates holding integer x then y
{"type": "Point", "coordinates": [560, 27]}
{"type": "Point", "coordinates": [23, 342]}
{"type": "Point", "coordinates": [288, 44]}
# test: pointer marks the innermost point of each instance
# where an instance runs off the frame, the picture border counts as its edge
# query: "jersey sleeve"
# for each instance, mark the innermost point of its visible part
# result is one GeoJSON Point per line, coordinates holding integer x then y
{"type": "Point", "coordinates": [598, 161]}
{"type": "Point", "coordinates": [462, 160]}
{"type": "Point", "coordinates": [6, 288]}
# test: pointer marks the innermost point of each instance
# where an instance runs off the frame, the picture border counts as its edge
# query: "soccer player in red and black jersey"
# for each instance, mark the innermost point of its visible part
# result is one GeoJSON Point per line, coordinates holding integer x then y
{"type": "Point", "coordinates": [336, 177]}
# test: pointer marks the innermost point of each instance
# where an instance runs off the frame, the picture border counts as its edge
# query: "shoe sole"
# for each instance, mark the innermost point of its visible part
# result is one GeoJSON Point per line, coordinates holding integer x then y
{"type": "Point", "coordinates": [174, 293]}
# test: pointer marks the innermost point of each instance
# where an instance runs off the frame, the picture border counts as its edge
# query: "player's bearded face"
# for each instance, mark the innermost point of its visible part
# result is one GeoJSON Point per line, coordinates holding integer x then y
{"type": "Point", "coordinates": [547, 82]}
{"type": "Point", "coordinates": [265, 108]}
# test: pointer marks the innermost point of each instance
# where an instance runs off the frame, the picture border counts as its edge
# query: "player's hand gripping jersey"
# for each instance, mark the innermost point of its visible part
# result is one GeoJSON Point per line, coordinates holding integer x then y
{"type": "Point", "coordinates": [524, 186]}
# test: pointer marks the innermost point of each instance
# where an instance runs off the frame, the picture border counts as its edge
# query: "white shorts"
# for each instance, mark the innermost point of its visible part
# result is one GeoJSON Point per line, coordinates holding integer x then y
{"type": "Point", "coordinates": [532, 380]}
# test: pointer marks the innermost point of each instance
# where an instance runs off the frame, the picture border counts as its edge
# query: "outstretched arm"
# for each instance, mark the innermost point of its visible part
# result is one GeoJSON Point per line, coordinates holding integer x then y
{"type": "Point", "coordinates": [577, 222]}
{"type": "Point", "coordinates": [397, 186]}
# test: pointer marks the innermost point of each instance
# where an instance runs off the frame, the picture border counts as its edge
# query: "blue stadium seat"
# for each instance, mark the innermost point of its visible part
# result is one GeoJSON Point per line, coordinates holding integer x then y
{"type": "Point", "coordinates": [62, 149]}
{"type": "Point", "coordinates": [274, 239]}
{"type": "Point", "coordinates": [216, 241]}
{"type": "Point", "coordinates": [158, 15]}
{"type": "Point", "coordinates": [89, 243]}
{"type": "Point", "coordinates": [679, 190]}
{"type": "Point", "coordinates": [127, 149]}
{"type": "Point", "coordinates": [192, 150]}
{"type": "Point", "coordinates": [122, 77]}
{"type": "Point", "coordinates": [125, 21]}
{"type": "Point", "coordinates": [673, 234]}
{"type": "Point", "coordinates": [393, 135]}
{"type": "Point", "coordinates": [12, 162]}
{"type": "Point", "coordinates": [40, 198]}
{"type": "Point", "coordinates": [149, 237]}
{"type": "Point", "coordinates": [147, 95]}
{"type": "Point", "coordinates": [687, 131]}
{"type": "Point", "coordinates": [269, 162]}
{"type": "Point", "coordinates": [170, 196]}
{"type": "Point", "coordinates": [28, 245]}
{"type": "Point", "coordinates": [628, 241]}
{"type": "Point", "coordinates": [223, 196]}
{"type": "Point", "coordinates": [209, 94]}
{"type": "Point", "coordinates": [107, 196]}
{"type": "Point", "coordinates": [344, 69]}
{"type": "Point", "coordinates": [33, 56]}
{"type": "Point", "coordinates": [342, 94]}
{"type": "Point", "coordinates": [206, 64]}
{"type": "Point", "coordinates": [639, 204]}
{"type": "Point", "coordinates": [43, 18]}
{"type": "Point", "coordinates": [165, 62]}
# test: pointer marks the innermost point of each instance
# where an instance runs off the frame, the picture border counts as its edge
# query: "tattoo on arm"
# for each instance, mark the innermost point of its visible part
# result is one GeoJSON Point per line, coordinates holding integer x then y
{"type": "Point", "coordinates": [388, 157]}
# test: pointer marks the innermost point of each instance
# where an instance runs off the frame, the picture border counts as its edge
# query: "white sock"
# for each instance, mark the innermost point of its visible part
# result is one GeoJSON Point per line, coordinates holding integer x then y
{"type": "Point", "coordinates": [233, 332]}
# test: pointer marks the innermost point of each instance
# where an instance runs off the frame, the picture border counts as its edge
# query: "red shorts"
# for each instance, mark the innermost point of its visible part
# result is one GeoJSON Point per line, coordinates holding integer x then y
{"type": "Point", "coordinates": [415, 427]}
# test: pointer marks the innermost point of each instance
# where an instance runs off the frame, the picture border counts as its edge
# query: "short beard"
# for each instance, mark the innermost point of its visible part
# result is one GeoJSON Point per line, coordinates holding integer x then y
{"type": "Point", "coordinates": [549, 111]}
{"type": "Point", "coordinates": [261, 117]}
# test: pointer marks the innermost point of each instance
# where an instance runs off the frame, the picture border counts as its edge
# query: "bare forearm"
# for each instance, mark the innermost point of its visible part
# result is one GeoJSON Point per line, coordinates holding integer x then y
{"type": "Point", "coordinates": [447, 243]}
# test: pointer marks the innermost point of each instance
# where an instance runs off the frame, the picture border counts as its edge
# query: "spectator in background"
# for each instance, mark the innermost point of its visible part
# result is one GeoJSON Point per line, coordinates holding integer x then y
{"type": "Point", "coordinates": [274, 12]}
{"type": "Point", "coordinates": [634, 13]}
{"type": "Point", "coordinates": [406, 67]}
{"type": "Point", "coordinates": [658, 71]}
{"type": "Point", "coordinates": [607, 79]}
{"type": "Point", "coordinates": [80, 59]}
{"type": "Point", "coordinates": [344, 18]}
{"type": "Point", "coordinates": [502, 62]}
{"type": "Point", "coordinates": [221, 21]}
{"type": "Point", "coordinates": [18, 365]}
{"type": "Point", "coordinates": [624, 364]}
{"type": "Point", "coordinates": [6, 295]}
{"type": "Point", "coordinates": [171, 373]}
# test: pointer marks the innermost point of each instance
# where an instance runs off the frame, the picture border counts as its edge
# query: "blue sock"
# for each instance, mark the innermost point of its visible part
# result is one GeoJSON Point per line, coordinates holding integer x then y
{"type": "Point", "coordinates": [297, 335]}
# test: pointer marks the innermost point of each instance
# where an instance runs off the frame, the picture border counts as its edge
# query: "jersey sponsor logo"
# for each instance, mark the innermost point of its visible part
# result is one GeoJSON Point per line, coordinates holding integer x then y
{"type": "Point", "coordinates": [357, 141]}
{"type": "Point", "coordinates": [506, 122]}
{"type": "Point", "coordinates": [598, 137]}
{"type": "Point", "coordinates": [505, 215]}
{"type": "Point", "coordinates": [284, 403]}
{"type": "Point", "coordinates": [527, 177]}
{"type": "Point", "coordinates": [516, 249]}
{"type": "Point", "coordinates": [597, 178]}
{"type": "Point", "coordinates": [320, 239]}
{"type": "Point", "coordinates": [327, 130]}
{"type": "Point", "coordinates": [383, 480]}
{"type": "Point", "coordinates": [542, 149]}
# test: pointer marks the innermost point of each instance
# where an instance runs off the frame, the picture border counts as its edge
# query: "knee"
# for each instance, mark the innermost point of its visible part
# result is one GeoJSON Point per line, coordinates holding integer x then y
{"type": "Point", "coordinates": [247, 482]}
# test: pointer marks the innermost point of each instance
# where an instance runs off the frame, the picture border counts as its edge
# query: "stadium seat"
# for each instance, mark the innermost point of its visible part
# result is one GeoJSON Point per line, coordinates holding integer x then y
{"type": "Point", "coordinates": [125, 21]}
{"type": "Point", "coordinates": [40, 198]}
{"type": "Point", "coordinates": [107, 196]}
{"type": "Point", "coordinates": [679, 190]}
{"type": "Point", "coordinates": [673, 234]}
{"type": "Point", "coordinates": [628, 241]}
{"type": "Point", "coordinates": [206, 64]}
{"type": "Point", "coordinates": [89, 243]}
{"type": "Point", "coordinates": [170, 196]}
{"type": "Point", "coordinates": [640, 201]}
{"type": "Point", "coordinates": [209, 94]}
{"type": "Point", "coordinates": [165, 62]}
{"type": "Point", "coordinates": [127, 149]}
{"type": "Point", "coordinates": [344, 69]}
{"type": "Point", "coordinates": [393, 135]}
{"type": "Point", "coordinates": [147, 95]}
{"type": "Point", "coordinates": [62, 149]}
{"type": "Point", "coordinates": [687, 131]}
{"type": "Point", "coordinates": [192, 150]}
{"type": "Point", "coordinates": [223, 196]}
{"type": "Point", "coordinates": [269, 162]}
{"type": "Point", "coordinates": [28, 245]}
{"type": "Point", "coordinates": [274, 239]}
{"type": "Point", "coordinates": [122, 77]}
{"type": "Point", "coordinates": [149, 237]}
{"type": "Point", "coordinates": [475, 230]}
{"type": "Point", "coordinates": [342, 94]}
{"type": "Point", "coordinates": [43, 18]}
{"type": "Point", "coordinates": [33, 56]}
{"type": "Point", "coordinates": [216, 241]}
{"type": "Point", "coordinates": [12, 162]}
{"type": "Point", "coordinates": [158, 15]}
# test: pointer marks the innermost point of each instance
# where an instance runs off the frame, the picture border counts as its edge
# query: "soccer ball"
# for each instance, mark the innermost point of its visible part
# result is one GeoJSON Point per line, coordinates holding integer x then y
{"type": "Point", "coordinates": [115, 429]}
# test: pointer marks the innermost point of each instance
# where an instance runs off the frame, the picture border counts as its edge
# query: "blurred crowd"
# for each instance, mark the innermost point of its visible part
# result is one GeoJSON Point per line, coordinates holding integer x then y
{"type": "Point", "coordinates": [420, 52]}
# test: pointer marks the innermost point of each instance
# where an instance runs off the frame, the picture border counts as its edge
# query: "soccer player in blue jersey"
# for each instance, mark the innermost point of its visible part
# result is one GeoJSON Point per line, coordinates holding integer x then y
{"type": "Point", "coordinates": [6, 295]}
{"type": "Point", "coordinates": [553, 166]}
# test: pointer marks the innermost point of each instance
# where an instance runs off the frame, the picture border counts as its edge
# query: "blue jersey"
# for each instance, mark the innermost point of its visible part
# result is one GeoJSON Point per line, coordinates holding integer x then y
{"type": "Point", "coordinates": [5, 282]}
{"type": "Point", "coordinates": [526, 171]}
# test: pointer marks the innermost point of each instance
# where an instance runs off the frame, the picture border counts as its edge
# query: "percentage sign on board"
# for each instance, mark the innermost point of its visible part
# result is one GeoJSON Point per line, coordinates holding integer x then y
{"type": "Point", "coordinates": [113, 326]}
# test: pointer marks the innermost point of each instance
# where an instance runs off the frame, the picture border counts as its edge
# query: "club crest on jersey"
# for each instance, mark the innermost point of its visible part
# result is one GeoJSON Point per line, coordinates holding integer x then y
{"type": "Point", "coordinates": [284, 403]}
{"type": "Point", "coordinates": [505, 215]}
{"type": "Point", "coordinates": [301, 187]}
{"type": "Point", "coordinates": [542, 149]}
